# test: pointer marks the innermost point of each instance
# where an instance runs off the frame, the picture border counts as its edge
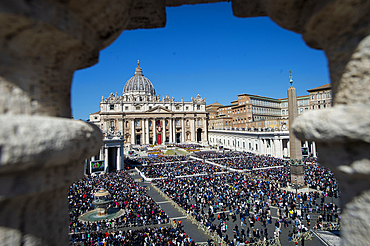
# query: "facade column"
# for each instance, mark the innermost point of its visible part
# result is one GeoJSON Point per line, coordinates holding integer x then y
{"type": "Point", "coordinates": [205, 129]}
{"type": "Point", "coordinates": [120, 126]}
{"type": "Point", "coordinates": [163, 130]}
{"type": "Point", "coordinates": [314, 149]}
{"type": "Point", "coordinates": [101, 153]}
{"type": "Point", "coordinates": [260, 146]}
{"type": "Point", "coordinates": [183, 130]}
{"type": "Point", "coordinates": [105, 125]}
{"type": "Point", "coordinates": [142, 136]}
{"type": "Point", "coordinates": [272, 147]}
{"type": "Point", "coordinates": [278, 148]}
{"type": "Point", "coordinates": [146, 131]}
{"type": "Point", "coordinates": [306, 144]}
{"type": "Point", "coordinates": [174, 130]}
{"type": "Point", "coordinates": [288, 146]}
{"type": "Point", "coordinates": [106, 159]}
{"type": "Point", "coordinates": [132, 131]}
{"type": "Point", "coordinates": [154, 132]}
{"type": "Point", "coordinates": [170, 126]}
{"type": "Point", "coordinates": [192, 130]}
{"type": "Point", "coordinates": [119, 158]}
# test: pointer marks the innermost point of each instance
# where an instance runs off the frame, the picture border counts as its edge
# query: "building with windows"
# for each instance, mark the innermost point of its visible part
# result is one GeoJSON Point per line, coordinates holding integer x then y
{"type": "Point", "coordinates": [260, 124]}
{"type": "Point", "coordinates": [140, 117]}
{"type": "Point", "coordinates": [320, 97]}
{"type": "Point", "coordinates": [254, 111]}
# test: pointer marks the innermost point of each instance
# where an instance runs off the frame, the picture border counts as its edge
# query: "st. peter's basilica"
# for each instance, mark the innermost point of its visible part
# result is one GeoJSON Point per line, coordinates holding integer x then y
{"type": "Point", "coordinates": [140, 117]}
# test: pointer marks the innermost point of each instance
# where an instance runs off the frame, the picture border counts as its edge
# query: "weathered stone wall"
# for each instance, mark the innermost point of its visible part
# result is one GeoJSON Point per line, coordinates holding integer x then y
{"type": "Point", "coordinates": [42, 43]}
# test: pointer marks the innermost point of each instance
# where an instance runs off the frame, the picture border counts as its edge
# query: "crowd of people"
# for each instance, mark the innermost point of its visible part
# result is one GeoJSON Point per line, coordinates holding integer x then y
{"type": "Point", "coordinates": [173, 169]}
{"type": "Point", "coordinates": [139, 209]}
{"type": "Point", "coordinates": [160, 159]}
{"type": "Point", "coordinates": [242, 160]}
{"type": "Point", "coordinates": [241, 207]}
{"type": "Point", "coordinates": [215, 199]}
{"type": "Point", "coordinates": [161, 236]}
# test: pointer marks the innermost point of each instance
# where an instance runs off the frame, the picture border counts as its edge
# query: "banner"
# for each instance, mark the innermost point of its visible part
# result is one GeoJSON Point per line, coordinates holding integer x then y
{"type": "Point", "coordinates": [305, 151]}
{"type": "Point", "coordinates": [97, 166]}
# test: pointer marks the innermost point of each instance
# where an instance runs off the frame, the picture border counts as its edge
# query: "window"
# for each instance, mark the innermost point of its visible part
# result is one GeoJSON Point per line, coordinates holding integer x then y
{"type": "Point", "coordinates": [187, 108]}
{"type": "Point", "coordinates": [150, 123]}
{"type": "Point", "coordinates": [198, 107]}
{"type": "Point", "coordinates": [177, 123]}
{"type": "Point", "coordinates": [138, 108]}
{"type": "Point", "coordinates": [177, 107]}
{"type": "Point", "coordinates": [167, 124]}
{"type": "Point", "coordinates": [96, 117]}
{"type": "Point", "coordinates": [112, 123]}
{"type": "Point", "coordinates": [323, 96]}
{"type": "Point", "coordinates": [111, 106]}
{"type": "Point", "coordinates": [199, 122]}
{"type": "Point", "coordinates": [150, 107]}
{"type": "Point", "coordinates": [312, 97]}
{"type": "Point", "coordinates": [329, 94]}
{"type": "Point", "coordinates": [166, 107]}
{"type": "Point", "coordinates": [137, 123]}
{"type": "Point", "coordinates": [126, 108]}
{"type": "Point", "coordinates": [318, 96]}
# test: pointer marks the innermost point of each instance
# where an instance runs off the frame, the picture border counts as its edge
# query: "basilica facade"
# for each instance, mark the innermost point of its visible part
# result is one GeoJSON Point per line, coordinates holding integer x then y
{"type": "Point", "coordinates": [140, 117]}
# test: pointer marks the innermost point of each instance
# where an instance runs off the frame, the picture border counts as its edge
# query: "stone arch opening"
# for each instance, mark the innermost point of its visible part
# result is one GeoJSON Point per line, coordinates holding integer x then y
{"type": "Point", "coordinates": [36, 82]}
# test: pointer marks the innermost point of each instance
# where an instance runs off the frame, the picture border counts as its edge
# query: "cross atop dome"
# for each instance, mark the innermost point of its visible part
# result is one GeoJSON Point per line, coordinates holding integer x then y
{"type": "Point", "coordinates": [138, 70]}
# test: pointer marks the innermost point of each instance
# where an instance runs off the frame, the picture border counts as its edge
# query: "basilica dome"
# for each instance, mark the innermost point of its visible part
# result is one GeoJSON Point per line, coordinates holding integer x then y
{"type": "Point", "coordinates": [139, 84]}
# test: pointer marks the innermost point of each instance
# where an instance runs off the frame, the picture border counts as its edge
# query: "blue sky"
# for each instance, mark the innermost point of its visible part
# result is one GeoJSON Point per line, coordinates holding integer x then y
{"type": "Point", "coordinates": [203, 50]}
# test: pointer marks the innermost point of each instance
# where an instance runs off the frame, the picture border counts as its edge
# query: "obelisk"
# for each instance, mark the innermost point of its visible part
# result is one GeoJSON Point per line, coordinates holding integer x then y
{"type": "Point", "coordinates": [296, 164]}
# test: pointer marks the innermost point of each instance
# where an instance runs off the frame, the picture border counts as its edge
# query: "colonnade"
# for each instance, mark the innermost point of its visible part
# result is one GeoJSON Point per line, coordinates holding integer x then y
{"type": "Point", "coordinates": [165, 130]}
{"type": "Point", "coordinates": [262, 143]}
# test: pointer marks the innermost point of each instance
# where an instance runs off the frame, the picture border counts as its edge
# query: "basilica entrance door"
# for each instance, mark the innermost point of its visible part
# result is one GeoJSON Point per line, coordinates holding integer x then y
{"type": "Point", "coordinates": [159, 138]}
{"type": "Point", "coordinates": [199, 135]}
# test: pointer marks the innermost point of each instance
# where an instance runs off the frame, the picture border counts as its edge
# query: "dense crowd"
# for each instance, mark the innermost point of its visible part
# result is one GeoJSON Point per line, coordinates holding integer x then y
{"type": "Point", "coordinates": [160, 159]}
{"type": "Point", "coordinates": [215, 199]}
{"type": "Point", "coordinates": [242, 160]}
{"type": "Point", "coordinates": [190, 167]}
{"type": "Point", "coordinates": [239, 207]}
{"type": "Point", "coordinates": [139, 209]}
{"type": "Point", "coordinates": [161, 236]}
